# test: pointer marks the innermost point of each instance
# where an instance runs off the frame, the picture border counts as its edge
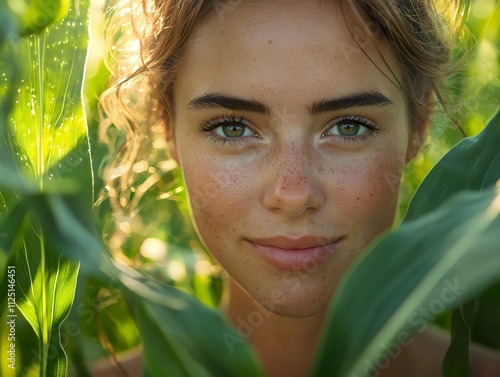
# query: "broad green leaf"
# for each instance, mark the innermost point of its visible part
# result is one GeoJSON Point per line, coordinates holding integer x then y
{"type": "Point", "coordinates": [424, 267]}
{"type": "Point", "coordinates": [67, 224]}
{"type": "Point", "coordinates": [48, 118]}
{"type": "Point", "coordinates": [182, 337]}
{"type": "Point", "coordinates": [45, 284]}
{"type": "Point", "coordinates": [45, 295]}
{"type": "Point", "coordinates": [46, 287]}
{"type": "Point", "coordinates": [45, 133]}
{"type": "Point", "coordinates": [188, 336]}
{"type": "Point", "coordinates": [473, 164]}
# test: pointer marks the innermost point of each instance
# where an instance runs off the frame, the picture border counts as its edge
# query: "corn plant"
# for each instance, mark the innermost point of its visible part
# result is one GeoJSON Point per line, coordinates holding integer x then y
{"type": "Point", "coordinates": [50, 242]}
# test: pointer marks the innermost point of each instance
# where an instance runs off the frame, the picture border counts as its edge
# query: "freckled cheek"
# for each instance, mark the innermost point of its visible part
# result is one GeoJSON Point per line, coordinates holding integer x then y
{"type": "Point", "coordinates": [371, 194]}
{"type": "Point", "coordinates": [217, 194]}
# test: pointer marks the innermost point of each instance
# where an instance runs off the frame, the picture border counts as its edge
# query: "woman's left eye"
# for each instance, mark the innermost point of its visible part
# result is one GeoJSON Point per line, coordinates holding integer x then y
{"type": "Point", "coordinates": [350, 127]}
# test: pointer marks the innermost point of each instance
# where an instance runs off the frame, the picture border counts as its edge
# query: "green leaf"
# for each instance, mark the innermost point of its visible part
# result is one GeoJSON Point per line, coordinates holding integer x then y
{"type": "Point", "coordinates": [424, 267]}
{"type": "Point", "coordinates": [456, 360]}
{"type": "Point", "coordinates": [46, 284]}
{"type": "Point", "coordinates": [410, 268]}
{"type": "Point", "coordinates": [182, 337]}
{"type": "Point", "coordinates": [473, 164]}
{"type": "Point", "coordinates": [43, 128]}
{"type": "Point", "coordinates": [67, 224]}
{"type": "Point", "coordinates": [486, 326]}
{"type": "Point", "coordinates": [41, 13]}
{"type": "Point", "coordinates": [48, 118]}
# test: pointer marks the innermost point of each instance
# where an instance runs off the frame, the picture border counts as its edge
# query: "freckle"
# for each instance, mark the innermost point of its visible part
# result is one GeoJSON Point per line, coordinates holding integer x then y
{"type": "Point", "coordinates": [270, 42]}
{"type": "Point", "coordinates": [358, 198]}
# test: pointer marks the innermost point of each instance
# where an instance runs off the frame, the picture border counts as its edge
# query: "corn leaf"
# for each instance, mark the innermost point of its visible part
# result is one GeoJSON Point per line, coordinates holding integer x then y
{"type": "Point", "coordinates": [46, 284]}
{"type": "Point", "coordinates": [182, 337]}
{"type": "Point", "coordinates": [48, 120]}
{"type": "Point", "coordinates": [445, 255]}
{"type": "Point", "coordinates": [473, 164]}
{"type": "Point", "coordinates": [43, 127]}
{"type": "Point", "coordinates": [436, 262]}
{"type": "Point", "coordinates": [456, 360]}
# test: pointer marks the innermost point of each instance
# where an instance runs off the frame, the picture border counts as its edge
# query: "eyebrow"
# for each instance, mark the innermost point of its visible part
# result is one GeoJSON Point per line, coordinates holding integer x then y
{"type": "Point", "coordinates": [354, 100]}
{"type": "Point", "coordinates": [219, 100]}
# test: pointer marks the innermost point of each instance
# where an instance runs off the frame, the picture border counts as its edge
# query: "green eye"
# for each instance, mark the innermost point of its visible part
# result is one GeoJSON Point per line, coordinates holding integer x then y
{"type": "Point", "coordinates": [346, 128]}
{"type": "Point", "coordinates": [228, 129]}
{"type": "Point", "coordinates": [233, 130]}
{"type": "Point", "coordinates": [350, 127]}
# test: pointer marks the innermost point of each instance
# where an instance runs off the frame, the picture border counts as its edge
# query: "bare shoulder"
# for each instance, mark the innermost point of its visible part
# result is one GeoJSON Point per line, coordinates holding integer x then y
{"type": "Point", "coordinates": [130, 365]}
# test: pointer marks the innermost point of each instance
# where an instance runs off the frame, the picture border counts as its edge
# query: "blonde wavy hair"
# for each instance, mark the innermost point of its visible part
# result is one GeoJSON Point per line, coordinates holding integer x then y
{"type": "Point", "coordinates": [147, 38]}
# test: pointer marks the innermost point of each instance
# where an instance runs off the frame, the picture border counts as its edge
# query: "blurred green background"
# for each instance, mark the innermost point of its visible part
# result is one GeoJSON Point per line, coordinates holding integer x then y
{"type": "Point", "coordinates": [158, 236]}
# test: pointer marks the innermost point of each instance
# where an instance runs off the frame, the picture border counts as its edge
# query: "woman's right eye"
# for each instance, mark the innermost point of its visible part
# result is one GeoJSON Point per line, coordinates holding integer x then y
{"type": "Point", "coordinates": [233, 130]}
{"type": "Point", "coordinates": [227, 129]}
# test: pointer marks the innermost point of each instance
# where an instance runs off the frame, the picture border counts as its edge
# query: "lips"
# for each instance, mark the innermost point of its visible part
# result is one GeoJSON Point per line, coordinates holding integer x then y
{"type": "Point", "coordinates": [292, 254]}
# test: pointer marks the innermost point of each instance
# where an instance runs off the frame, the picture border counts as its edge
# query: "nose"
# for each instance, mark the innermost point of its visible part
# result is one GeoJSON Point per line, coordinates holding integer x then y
{"type": "Point", "coordinates": [293, 182]}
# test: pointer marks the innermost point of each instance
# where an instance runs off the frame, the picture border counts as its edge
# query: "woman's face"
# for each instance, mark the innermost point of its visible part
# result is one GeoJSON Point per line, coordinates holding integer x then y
{"type": "Point", "coordinates": [291, 141]}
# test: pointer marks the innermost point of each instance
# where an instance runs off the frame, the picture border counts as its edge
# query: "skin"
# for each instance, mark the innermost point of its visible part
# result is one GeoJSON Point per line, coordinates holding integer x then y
{"type": "Point", "coordinates": [290, 174]}
{"type": "Point", "coordinates": [286, 178]}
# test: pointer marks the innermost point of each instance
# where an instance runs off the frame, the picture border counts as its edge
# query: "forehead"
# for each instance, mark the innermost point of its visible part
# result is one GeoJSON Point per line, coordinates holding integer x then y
{"type": "Point", "coordinates": [288, 51]}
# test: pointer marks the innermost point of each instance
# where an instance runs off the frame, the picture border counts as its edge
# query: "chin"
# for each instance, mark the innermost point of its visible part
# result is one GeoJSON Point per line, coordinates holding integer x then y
{"type": "Point", "coordinates": [292, 311]}
{"type": "Point", "coordinates": [293, 304]}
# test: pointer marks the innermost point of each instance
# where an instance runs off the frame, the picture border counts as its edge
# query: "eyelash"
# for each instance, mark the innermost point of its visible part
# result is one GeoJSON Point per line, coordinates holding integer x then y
{"type": "Point", "coordinates": [208, 127]}
{"type": "Point", "coordinates": [211, 125]}
{"type": "Point", "coordinates": [362, 121]}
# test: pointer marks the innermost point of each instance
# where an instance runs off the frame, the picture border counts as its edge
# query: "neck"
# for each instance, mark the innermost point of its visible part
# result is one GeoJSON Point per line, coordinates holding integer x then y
{"type": "Point", "coordinates": [285, 345]}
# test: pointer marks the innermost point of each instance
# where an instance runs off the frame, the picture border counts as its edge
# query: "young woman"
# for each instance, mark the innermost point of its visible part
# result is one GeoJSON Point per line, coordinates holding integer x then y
{"type": "Point", "coordinates": [285, 117]}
